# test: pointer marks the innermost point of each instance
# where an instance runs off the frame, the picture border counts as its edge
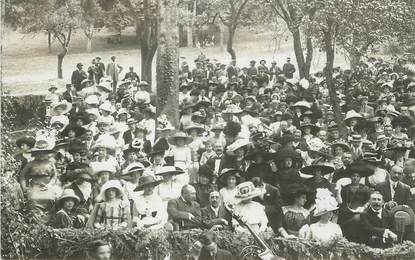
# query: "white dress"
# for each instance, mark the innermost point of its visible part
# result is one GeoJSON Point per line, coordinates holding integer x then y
{"type": "Point", "coordinates": [254, 215]}
{"type": "Point", "coordinates": [149, 210]}
{"type": "Point", "coordinates": [228, 195]}
{"type": "Point", "coordinates": [324, 233]}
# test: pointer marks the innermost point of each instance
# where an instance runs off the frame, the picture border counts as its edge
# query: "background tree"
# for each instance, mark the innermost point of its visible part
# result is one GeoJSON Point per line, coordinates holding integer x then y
{"type": "Point", "coordinates": [117, 15]}
{"type": "Point", "coordinates": [91, 20]}
{"type": "Point", "coordinates": [146, 22]}
{"type": "Point", "coordinates": [231, 13]}
{"type": "Point", "coordinates": [294, 13]}
{"type": "Point", "coordinates": [60, 18]}
{"type": "Point", "coordinates": [168, 61]}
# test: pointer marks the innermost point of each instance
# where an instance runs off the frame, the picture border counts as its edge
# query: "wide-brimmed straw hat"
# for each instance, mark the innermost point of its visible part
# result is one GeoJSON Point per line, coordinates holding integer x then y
{"type": "Point", "coordinates": [68, 194]}
{"type": "Point", "coordinates": [79, 130]}
{"type": "Point", "coordinates": [43, 146]}
{"type": "Point", "coordinates": [352, 115]}
{"type": "Point", "coordinates": [302, 104]}
{"type": "Point", "coordinates": [92, 100]}
{"type": "Point", "coordinates": [325, 202]}
{"type": "Point", "coordinates": [314, 129]}
{"type": "Point", "coordinates": [30, 141]}
{"type": "Point", "coordinates": [106, 106]}
{"type": "Point", "coordinates": [106, 141]}
{"type": "Point", "coordinates": [173, 139]}
{"type": "Point", "coordinates": [136, 167]}
{"type": "Point", "coordinates": [168, 170]}
{"type": "Point", "coordinates": [403, 215]}
{"type": "Point", "coordinates": [232, 109]}
{"type": "Point", "coordinates": [147, 180]}
{"type": "Point", "coordinates": [239, 143]}
{"type": "Point", "coordinates": [65, 105]}
{"type": "Point", "coordinates": [199, 128]}
{"type": "Point", "coordinates": [342, 144]}
{"type": "Point", "coordinates": [98, 167]}
{"type": "Point", "coordinates": [247, 190]}
{"type": "Point", "coordinates": [111, 184]}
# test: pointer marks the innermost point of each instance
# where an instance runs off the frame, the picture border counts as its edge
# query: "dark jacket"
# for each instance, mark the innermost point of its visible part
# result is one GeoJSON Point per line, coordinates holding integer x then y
{"type": "Point", "coordinates": [402, 192]}
{"type": "Point", "coordinates": [210, 219]}
{"type": "Point", "coordinates": [77, 77]}
{"type": "Point", "coordinates": [132, 76]}
{"type": "Point", "coordinates": [179, 210]}
{"type": "Point", "coordinates": [373, 227]}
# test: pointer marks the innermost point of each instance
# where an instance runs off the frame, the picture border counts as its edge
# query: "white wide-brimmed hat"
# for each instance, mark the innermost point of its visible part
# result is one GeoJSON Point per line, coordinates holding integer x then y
{"type": "Point", "coordinates": [325, 202]}
{"type": "Point", "coordinates": [98, 167]}
{"type": "Point", "coordinates": [247, 190]}
{"type": "Point", "coordinates": [65, 105]}
{"type": "Point", "coordinates": [238, 144]}
{"type": "Point", "coordinates": [111, 184]}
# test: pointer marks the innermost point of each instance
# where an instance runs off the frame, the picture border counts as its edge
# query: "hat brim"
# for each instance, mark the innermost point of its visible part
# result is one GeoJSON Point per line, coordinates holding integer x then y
{"type": "Point", "coordinates": [26, 140]}
{"type": "Point", "coordinates": [173, 139]}
{"type": "Point", "coordinates": [319, 213]}
{"type": "Point", "coordinates": [176, 172]}
{"type": "Point", "coordinates": [311, 169]}
{"type": "Point", "coordinates": [224, 176]}
{"type": "Point", "coordinates": [154, 183]}
{"type": "Point", "coordinates": [257, 192]}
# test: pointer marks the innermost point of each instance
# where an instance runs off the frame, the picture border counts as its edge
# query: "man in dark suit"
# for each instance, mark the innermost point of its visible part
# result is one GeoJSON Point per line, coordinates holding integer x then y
{"type": "Point", "coordinates": [215, 214]}
{"type": "Point", "coordinates": [100, 67]}
{"type": "Point", "coordinates": [298, 142]}
{"type": "Point", "coordinates": [132, 75]}
{"type": "Point", "coordinates": [69, 93]}
{"type": "Point", "coordinates": [393, 190]}
{"type": "Point", "coordinates": [130, 134]}
{"type": "Point", "coordinates": [184, 212]}
{"type": "Point", "coordinates": [78, 76]}
{"type": "Point", "coordinates": [342, 172]}
{"type": "Point", "coordinates": [377, 223]}
{"type": "Point", "coordinates": [288, 69]}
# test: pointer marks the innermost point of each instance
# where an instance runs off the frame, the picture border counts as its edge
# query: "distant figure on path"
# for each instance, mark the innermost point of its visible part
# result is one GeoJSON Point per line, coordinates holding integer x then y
{"type": "Point", "coordinates": [113, 70]}
{"type": "Point", "coordinates": [78, 76]}
{"type": "Point", "coordinates": [288, 69]}
{"type": "Point", "coordinates": [100, 67]}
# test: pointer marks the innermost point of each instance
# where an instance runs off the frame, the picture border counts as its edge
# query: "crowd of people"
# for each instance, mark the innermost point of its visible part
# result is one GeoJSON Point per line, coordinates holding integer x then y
{"type": "Point", "coordinates": [254, 139]}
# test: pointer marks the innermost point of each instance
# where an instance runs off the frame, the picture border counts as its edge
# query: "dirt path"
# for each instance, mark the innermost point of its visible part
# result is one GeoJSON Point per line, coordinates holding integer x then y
{"type": "Point", "coordinates": [28, 66]}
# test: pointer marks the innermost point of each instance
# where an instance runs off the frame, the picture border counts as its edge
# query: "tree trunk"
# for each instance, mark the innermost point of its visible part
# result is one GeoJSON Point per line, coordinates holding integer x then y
{"type": "Point", "coordinates": [50, 42]}
{"type": "Point", "coordinates": [147, 56]}
{"type": "Point", "coordinates": [168, 62]}
{"type": "Point", "coordinates": [309, 57]}
{"type": "Point", "coordinates": [355, 58]}
{"type": "Point", "coordinates": [222, 37]}
{"type": "Point", "coordinates": [330, 46]}
{"type": "Point", "coordinates": [89, 43]}
{"type": "Point", "coordinates": [298, 50]}
{"type": "Point", "coordinates": [229, 44]}
{"type": "Point", "coordinates": [61, 55]}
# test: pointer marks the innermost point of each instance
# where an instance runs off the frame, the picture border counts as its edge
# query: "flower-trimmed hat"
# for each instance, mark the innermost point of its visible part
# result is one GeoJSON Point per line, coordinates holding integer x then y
{"type": "Point", "coordinates": [325, 202]}
{"type": "Point", "coordinates": [43, 146]}
{"type": "Point", "coordinates": [247, 190]}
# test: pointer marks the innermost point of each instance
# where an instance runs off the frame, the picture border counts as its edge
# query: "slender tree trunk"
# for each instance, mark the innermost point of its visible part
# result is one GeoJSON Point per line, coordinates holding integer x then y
{"type": "Point", "coordinates": [222, 37]}
{"type": "Point", "coordinates": [147, 56]}
{"type": "Point", "coordinates": [309, 57]}
{"type": "Point", "coordinates": [330, 47]}
{"type": "Point", "coordinates": [89, 43]}
{"type": "Point", "coordinates": [61, 55]}
{"type": "Point", "coordinates": [229, 44]}
{"type": "Point", "coordinates": [168, 62]}
{"type": "Point", "coordinates": [298, 50]}
{"type": "Point", "coordinates": [50, 42]}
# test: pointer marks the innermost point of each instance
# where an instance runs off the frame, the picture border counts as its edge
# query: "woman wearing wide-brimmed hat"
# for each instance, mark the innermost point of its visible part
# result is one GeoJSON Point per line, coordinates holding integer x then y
{"type": "Point", "coordinates": [113, 212]}
{"type": "Point", "coordinates": [354, 197]}
{"type": "Point", "coordinates": [228, 178]}
{"type": "Point", "coordinates": [251, 211]}
{"type": "Point", "coordinates": [149, 211]}
{"type": "Point", "coordinates": [105, 147]}
{"type": "Point", "coordinates": [83, 188]}
{"type": "Point", "coordinates": [130, 177]}
{"type": "Point", "coordinates": [318, 173]}
{"type": "Point", "coordinates": [66, 217]}
{"type": "Point", "coordinates": [288, 162]}
{"type": "Point", "coordinates": [41, 166]}
{"type": "Point", "coordinates": [324, 231]}
{"type": "Point", "coordinates": [181, 151]}
{"type": "Point", "coordinates": [294, 219]}
{"type": "Point", "coordinates": [173, 180]}
{"type": "Point", "coordinates": [261, 166]}
{"type": "Point", "coordinates": [59, 110]}
{"type": "Point", "coordinates": [352, 119]}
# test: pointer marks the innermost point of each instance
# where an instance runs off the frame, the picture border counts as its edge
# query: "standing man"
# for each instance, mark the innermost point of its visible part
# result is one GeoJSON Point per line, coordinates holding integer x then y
{"type": "Point", "coordinates": [132, 75]}
{"type": "Point", "coordinates": [78, 76]}
{"type": "Point", "coordinates": [100, 68]}
{"type": "Point", "coordinates": [113, 70]}
{"type": "Point", "coordinates": [288, 69]}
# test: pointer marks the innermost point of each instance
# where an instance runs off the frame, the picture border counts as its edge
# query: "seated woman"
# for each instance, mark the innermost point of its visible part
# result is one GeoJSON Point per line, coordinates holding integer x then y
{"type": "Point", "coordinates": [289, 161]}
{"type": "Point", "coordinates": [295, 218]}
{"type": "Point", "coordinates": [41, 195]}
{"type": "Point", "coordinates": [149, 211]}
{"type": "Point", "coordinates": [229, 178]}
{"type": "Point", "coordinates": [252, 212]}
{"type": "Point", "coordinates": [114, 212]}
{"type": "Point", "coordinates": [65, 217]}
{"type": "Point", "coordinates": [354, 196]}
{"type": "Point", "coordinates": [260, 167]}
{"type": "Point", "coordinates": [324, 231]}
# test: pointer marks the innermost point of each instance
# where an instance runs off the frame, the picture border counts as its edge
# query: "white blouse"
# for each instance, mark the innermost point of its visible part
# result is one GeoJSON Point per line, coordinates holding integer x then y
{"type": "Point", "coordinates": [324, 233]}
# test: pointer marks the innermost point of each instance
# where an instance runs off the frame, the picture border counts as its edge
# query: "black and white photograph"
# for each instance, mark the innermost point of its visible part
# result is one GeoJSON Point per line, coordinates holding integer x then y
{"type": "Point", "coordinates": [207, 129]}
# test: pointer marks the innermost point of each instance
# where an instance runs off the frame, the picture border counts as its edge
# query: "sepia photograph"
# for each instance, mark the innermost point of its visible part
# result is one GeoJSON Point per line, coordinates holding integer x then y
{"type": "Point", "coordinates": [207, 129]}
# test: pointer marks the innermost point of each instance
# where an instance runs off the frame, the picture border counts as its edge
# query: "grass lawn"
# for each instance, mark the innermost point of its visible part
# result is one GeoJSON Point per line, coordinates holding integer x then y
{"type": "Point", "coordinates": [28, 65]}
